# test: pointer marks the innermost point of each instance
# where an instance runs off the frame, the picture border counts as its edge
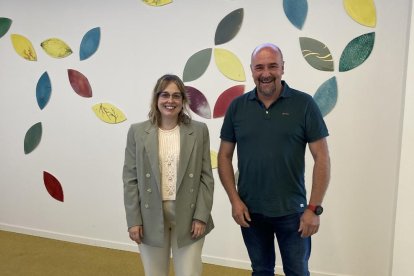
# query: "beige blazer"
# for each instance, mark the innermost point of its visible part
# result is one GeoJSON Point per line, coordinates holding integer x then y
{"type": "Point", "coordinates": [142, 187]}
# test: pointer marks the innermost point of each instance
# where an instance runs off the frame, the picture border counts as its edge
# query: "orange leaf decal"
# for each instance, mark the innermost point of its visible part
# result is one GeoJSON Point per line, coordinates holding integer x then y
{"type": "Point", "coordinates": [53, 186]}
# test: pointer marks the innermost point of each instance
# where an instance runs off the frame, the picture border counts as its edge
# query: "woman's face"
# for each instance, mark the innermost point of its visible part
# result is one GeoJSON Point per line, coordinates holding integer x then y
{"type": "Point", "coordinates": [170, 102]}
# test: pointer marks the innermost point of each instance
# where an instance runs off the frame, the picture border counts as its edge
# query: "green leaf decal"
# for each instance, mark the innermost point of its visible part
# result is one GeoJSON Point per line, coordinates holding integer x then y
{"type": "Point", "coordinates": [196, 65]}
{"type": "Point", "coordinates": [32, 138]}
{"type": "Point", "coordinates": [316, 54]}
{"type": "Point", "coordinates": [228, 27]}
{"type": "Point", "coordinates": [5, 24]}
{"type": "Point", "coordinates": [356, 52]}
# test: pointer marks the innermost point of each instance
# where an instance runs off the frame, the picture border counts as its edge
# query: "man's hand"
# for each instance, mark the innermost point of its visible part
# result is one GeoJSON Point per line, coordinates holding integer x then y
{"type": "Point", "coordinates": [309, 224]}
{"type": "Point", "coordinates": [240, 213]}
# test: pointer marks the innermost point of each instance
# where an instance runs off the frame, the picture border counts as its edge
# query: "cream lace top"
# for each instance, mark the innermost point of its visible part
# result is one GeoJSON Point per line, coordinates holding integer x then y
{"type": "Point", "coordinates": [169, 155]}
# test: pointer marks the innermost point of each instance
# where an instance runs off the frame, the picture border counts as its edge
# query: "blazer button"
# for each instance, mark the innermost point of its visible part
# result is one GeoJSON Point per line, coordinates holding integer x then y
{"type": "Point", "coordinates": [146, 205]}
{"type": "Point", "coordinates": [191, 175]}
{"type": "Point", "coordinates": [192, 206]}
{"type": "Point", "coordinates": [191, 190]}
{"type": "Point", "coordinates": [149, 190]}
{"type": "Point", "coordinates": [147, 175]}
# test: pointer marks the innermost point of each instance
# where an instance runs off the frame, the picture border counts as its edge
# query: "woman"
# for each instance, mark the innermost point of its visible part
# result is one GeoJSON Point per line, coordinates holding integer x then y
{"type": "Point", "coordinates": [168, 183]}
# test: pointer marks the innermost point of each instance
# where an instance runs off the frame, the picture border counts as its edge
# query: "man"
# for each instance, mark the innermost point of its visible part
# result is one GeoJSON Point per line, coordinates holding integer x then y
{"type": "Point", "coordinates": [271, 125]}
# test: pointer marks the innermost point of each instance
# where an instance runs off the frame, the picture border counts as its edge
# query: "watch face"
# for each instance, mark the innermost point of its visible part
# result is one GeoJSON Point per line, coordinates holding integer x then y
{"type": "Point", "coordinates": [318, 210]}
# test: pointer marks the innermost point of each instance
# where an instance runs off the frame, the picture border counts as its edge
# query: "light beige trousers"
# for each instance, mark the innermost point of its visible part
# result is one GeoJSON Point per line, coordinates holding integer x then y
{"type": "Point", "coordinates": [156, 260]}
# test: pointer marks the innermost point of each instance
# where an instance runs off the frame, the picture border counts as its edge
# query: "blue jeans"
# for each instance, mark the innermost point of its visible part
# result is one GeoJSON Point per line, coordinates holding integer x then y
{"type": "Point", "coordinates": [259, 240]}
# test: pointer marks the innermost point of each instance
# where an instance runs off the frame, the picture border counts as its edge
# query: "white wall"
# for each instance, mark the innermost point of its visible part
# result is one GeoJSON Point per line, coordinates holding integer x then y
{"type": "Point", "coordinates": [140, 43]}
{"type": "Point", "coordinates": [404, 241]}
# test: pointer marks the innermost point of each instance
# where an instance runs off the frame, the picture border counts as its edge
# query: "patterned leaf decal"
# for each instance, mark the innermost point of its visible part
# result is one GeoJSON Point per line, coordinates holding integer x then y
{"type": "Point", "coordinates": [198, 102]}
{"type": "Point", "coordinates": [362, 11]}
{"type": "Point", "coordinates": [157, 3]}
{"type": "Point", "coordinates": [109, 113]}
{"type": "Point", "coordinates": [90, 43]}
{"type": "Point", "coordinates": [43, 90]}
{"type": "Point", "coordinates": [5, 24]}
{"type": "Point", "coordinates": [213, 157]}
{"type": "Point", "coordinates": [356, 52]}
{"type": "Point", "coordinates": [56, 48]}
{"type": "Point", "coordinates": [316, 54]}
{"type": "Point", "coordinates": [228, 27]}
{"type": "Point", "coordinates": [296, 11]}
{"type": "Point", "coordinates": [229, 64]}
{"type": "Point", "coordinates": [32, 137]}
{"type": "Point", "coordinates": [79, 83]}
{"type": "Point", "coordinates": [327, 95]}
{"type": "Point", "coordinates": [53, 186]}
{"type": "Point", "coordinates": [225, 99]}
{"type": "Point", "coordinates": [23, 47]}
{"type": "Point", "coordinates": [196, 65]}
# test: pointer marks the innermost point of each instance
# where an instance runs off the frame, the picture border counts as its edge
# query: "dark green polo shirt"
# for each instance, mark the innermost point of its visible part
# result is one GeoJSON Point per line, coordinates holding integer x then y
{"type": "Point", "coordinates": [271, 148]}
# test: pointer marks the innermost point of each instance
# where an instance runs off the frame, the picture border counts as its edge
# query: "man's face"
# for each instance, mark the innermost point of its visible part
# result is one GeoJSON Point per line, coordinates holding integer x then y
{"type": "Point", "coordinates": [267, 69]}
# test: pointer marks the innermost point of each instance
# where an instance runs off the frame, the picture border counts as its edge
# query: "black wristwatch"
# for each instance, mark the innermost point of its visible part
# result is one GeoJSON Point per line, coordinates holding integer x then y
{"type": "Point", "coordinates": [317, 209]}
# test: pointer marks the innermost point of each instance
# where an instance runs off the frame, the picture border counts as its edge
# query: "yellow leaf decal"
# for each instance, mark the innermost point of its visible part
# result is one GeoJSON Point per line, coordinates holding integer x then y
{"type": "Point", "coordinates": [362, 11]}
{"type": "Point", "coordinates": [108, 113]}
{"type": "Point", "coordinates": [213, 156]}
{"type": "Point", "coordinates": [229, 64]}
{"type": "Point", "coordinates": [56, 48]}
{"type": "Point", "coordinates": [23, 47]}
{"type": "Point", "coordinates": [157, 3]}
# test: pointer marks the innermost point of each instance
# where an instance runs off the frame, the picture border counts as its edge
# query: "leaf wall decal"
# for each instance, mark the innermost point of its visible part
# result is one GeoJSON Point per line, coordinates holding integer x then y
{"type": "Point", "coordinates": [109, 113]}
{"type": "Point", "coordinates": [213, 157]}
{"type": "Point", "coordinates": [296, 11]}
{"type": "Point", "coordinates": [229, 64]}
{"type": "Point", "coordinates": [196, 65]}
{"type": "Point", "coordinates": [228, 27]}
{"type": "Point", "coordinates": [362, 11]}
{"type": "Point", "coordinates": [198, 102]}
{"type": "Point", "coordinates": [225, 99]}
{"type": "Point", "coordinates": [326, 96]}
{"type": "Point", "coordinates": [5, 24]}
{"type": "Point", "coordinates": [90, 43]}
{"type": "Point", "coordinates": [53, 186]}
{"type": "Point", "coordinates": [32, 137]}
{"type": "Point", "coordinates": [316, 54]}
{"type": "Point", "coordinates": [356, 52]}
{"type": "Point", "coordinates": [56, 48]}
{"type": "Point", "coordinates": [79, 83]}
{"type": "Point", "coordinates": [23, 47]}
{"type": "Point", "coordinates": [157, 3]}
{"type": "Point", "coordinates": [43, 90]}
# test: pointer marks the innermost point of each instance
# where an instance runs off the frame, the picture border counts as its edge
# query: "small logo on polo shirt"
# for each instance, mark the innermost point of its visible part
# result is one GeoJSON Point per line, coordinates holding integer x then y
{"type": "Point", "coordinates": [285, 114]}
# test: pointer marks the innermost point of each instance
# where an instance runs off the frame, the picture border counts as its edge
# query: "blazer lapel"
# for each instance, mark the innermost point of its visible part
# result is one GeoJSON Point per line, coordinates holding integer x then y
{"type": "Point", "coordinates": [187, 141]}
{"type": "Point", "coordinates": [151, 147]}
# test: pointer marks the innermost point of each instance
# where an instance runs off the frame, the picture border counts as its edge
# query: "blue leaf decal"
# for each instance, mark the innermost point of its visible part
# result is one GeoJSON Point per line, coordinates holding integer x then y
{"type": "Point", "coordinates": [326, 96]}
{"type": "Point", "coordinates": [90, 43]}
{"type": "Point", "coordinates": [43, 90]}
{"type": "Point", "coordinates": [296, 11]}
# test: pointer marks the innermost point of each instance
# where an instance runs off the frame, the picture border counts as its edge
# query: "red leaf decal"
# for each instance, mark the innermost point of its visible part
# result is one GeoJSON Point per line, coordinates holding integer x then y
{"type": "Point", "coordinates": [225, 99]}
{"type": "Point", "coordinates": [79, 83]}
{"type": "Point", "coordinates": [53, 186]}
{"type": "Point", "coordinates": [198, 102]}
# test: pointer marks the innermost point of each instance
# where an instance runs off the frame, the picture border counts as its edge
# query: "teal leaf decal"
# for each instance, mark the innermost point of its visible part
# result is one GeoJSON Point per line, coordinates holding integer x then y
{"type": "Point", "coordinates": [228, 27]}
{"type": "Point", "coordinates": [196, 65]}
{"type": "Point", "coordinates": [43, 90]}
{"type": "Point", "coordinates": [296, 11]}
{"type": "Point", "coordinates": [198, 102]}
{"type": "Point", "coordinates": [356, 52]}
{"type": "Point", "coordinates": [90, 43]}
{"type": "Point", "coordinates": [326, 96]}
{"type": "Point", "coordinates": [32, 137]}
{"type": "Point", "coordinates": [316, 54]}
{"type": "Point", "coordinates": [5, 24]}
{"type": "Point", "coordinates": [225, 99]}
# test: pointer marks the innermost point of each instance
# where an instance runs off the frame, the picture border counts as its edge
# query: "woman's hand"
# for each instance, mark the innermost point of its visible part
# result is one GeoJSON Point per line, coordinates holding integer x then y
{"type": "Point", "coordinates": [198, 228]}
{"type": "Point", "coordinates": [136, 233]}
